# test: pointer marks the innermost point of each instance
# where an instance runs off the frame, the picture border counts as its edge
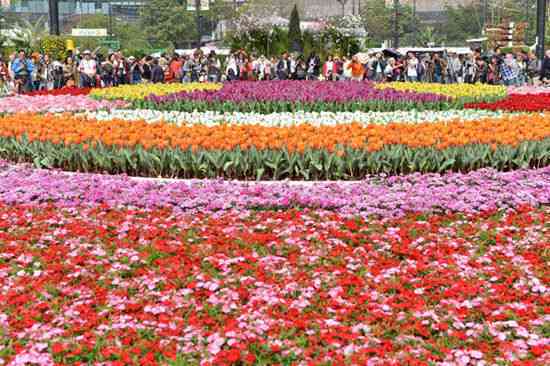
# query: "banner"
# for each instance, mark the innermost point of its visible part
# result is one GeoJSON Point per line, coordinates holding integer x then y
{"type": "Point", "coordinates": [89, 32]}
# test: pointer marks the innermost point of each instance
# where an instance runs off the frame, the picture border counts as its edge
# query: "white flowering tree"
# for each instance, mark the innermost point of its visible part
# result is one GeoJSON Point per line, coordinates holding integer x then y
{"type": "Point", "coordinates": [343, 34]}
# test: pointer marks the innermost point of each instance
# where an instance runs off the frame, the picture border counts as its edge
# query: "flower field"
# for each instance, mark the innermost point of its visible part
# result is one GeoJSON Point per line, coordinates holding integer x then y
{"type": "Point", "coordinates": [366, 225]}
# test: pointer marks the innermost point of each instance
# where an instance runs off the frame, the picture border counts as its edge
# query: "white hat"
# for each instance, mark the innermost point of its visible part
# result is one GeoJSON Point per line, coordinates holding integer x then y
{"type": "Point", "coordinates": [86, 52]}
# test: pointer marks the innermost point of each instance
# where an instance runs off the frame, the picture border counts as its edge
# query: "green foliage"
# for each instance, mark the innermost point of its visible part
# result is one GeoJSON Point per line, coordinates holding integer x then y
{"type": "Point", "coordinates": [132, 37]}
{"type": "Point", "coordinates": [28, 35]}
{"type": "Point", "coordinates": [266, 107]}
{"type": "Point", "coordinates": [266, 42]}
{"type": "Point", "coordinates": [294, 32]}
{"type": "Point", "coordinates": [167, 23]}
{"type": "Point", "coordinates": [348, 164]}
{"type": "Point", "coordinates": [54, 46]}
{"type": "Point", "coordinates": [379, 21]}
{"type": "Point", "coordinates": [463, 22]}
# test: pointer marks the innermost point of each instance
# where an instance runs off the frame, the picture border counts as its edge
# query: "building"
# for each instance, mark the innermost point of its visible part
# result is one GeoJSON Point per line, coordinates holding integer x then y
{"type": "Point", "coordinates": [432, 6]}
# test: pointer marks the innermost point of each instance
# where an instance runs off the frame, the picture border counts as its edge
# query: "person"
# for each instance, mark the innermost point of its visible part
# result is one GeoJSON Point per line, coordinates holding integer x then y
{"type": "Point", "coordinates": [545, 68]}
{"type": "Point", "coordinates": [157, 72]}
{"type": "Point", "coordinates": [187, 68]}
{"type": "Point", "coordinates": [313, 66]}
{"type": "Point", "coordinates": [4, 78]}
{"type": "Point", "coordinates": [532, 67]}
{"type": "Point", "coordinates": [197, 67]}
{"type": "Point", "coordinates": [469, 70]}
{"type": "Point", "coordinates": [389, 70]}
{"type": "Point", "coordinates": [22, 68]}
{"type": "Point", "coordinates": [346, 73]}
{"type": "Point", "coordinates": [214, 67]}
{"type": "Point", "coordinates": [46, 73]}
{"type": "Point", "coordinates": [175, 67]}
{"type": "Point", "coordinates": [509, 70]}
{"type": "Point", "coordinates": [482, 71]}
{"type": "Point", "coordinates": [120, 68]}
{"type": "Point", "coordinates": [69, 72]}
{"type": "Point", "coordinates": [283, 67]}
{"type": "Point", "coordinates": [36, 71]}
{"type": "Point", "coordinates": [57, 74]}
{"type": "Point", "coordinates": [146, 65]}
{"type": "Point", "coordinates": [329, 69]}
{"type": "Point", "coordinates": [492, 71]}
{"type": "Point", "coordinates": [412, 67]}
{"type": "Point", "coordinates": [87, 70]}
{"type": "Point", "coordinates": [437, 68]}
{"type": "Point", "coordinates": [292, 72]}
{"type": "Point", "coordinates": [107, 72]}
{"type": "Point", "coordinates": [301, 69]}
{"type": "Point", "coordinates": [357, 69]}
{"type": "Point", "coordinates": [378, 66]}
{"type": "Point", "coordinates": [454, 67]}
{"type": "Point", "coordinates": [232, 70]}
{"type": "Point", "coordinates": [135, 70]}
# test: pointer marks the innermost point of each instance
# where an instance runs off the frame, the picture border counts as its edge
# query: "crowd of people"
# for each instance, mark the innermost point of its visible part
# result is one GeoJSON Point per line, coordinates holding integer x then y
{"type": "Point", "coordinates": [24, 73]}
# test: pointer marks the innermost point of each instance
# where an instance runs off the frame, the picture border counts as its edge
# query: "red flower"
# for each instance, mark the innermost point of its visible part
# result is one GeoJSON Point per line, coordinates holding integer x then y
{"type": "Point", "coordinates": [58, 348]}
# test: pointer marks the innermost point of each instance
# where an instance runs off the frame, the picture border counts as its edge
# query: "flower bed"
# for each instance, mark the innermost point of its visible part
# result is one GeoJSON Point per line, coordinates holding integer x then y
{"type": "Point", "coordinates": [136, 92]}
{"type": "Point", "coordinates": [463, 92]}
{"type": "Point", "coordinates": [54, 103]}
{"type": "Point", "coordinates": [288, 96]}
{"type": "Point", "coordinates": [62, 91]}
{"type": "Point", "coordinates": [517, 103]}
{"type": "Point", "coordinates": [290, 119]}
{"type": "Point", "coordinates": [349, 151]}
{"type": "Point", "coordinates": [111, 285]}
{"type": "Point", "coordinates": [381, 197]}
{"type": "Point", "coordinates": [417, 269]}
{"type": "Point", "coordinates": [529, 89]}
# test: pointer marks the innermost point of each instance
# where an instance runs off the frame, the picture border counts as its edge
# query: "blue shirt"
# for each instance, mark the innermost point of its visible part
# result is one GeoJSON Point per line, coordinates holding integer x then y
{"type": "Point", "coordinates": [507, 72]}
{"type": "Point", "coordinates": [18, 66]}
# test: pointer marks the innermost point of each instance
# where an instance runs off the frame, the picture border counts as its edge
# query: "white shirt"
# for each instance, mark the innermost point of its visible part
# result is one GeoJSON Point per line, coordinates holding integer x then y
{"type": "Point", "coordinates": [347, 70]}
{"type": "Point", "coordinates": [88, 67]}
{"type": "Point", "coordinates": [411, 67]}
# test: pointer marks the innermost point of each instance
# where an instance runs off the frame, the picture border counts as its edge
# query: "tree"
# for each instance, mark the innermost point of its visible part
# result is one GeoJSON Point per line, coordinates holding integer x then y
{"type": "Point", "coordinates": [428, 36]}
{"type": "Point", "coordinates": [294, 32]}
{"type": "Point", "coordinates": [168, 23]}
{"type": "Point", "coordinates": [463, 22]}
{"type": "Point", "coordinates": [379, 21]}
{"type": "Point", "coordinates": [27, 34]}
{"type": "Point", "coordinates": [130, 34]}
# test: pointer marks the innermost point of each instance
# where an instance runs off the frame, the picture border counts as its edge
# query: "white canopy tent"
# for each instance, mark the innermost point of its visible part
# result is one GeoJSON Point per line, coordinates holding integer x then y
{"type": "Point", "coordinates": [206, 50]}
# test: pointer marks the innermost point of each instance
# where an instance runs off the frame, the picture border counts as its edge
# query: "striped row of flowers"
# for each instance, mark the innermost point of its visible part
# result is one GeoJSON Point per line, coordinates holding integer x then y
{"type": "Point", "coordinates": [135, 92]}
{"type": "Point", "coordinates": [55, 104]}
{"type": "Point", "coordinates": [463, 92]}
{"type": "Point", "coordinates": [287, 96]}
{"type": "Point", "coordinates": [290, 119]}
{"type": "Point", "coordinates": [383, 197]}
{"type": "Point", "coordinates": [517, 103]}
{"type": "Point", "coordinates": [346, 151]}
{"type": "Point", "coordinates": [98, 283]}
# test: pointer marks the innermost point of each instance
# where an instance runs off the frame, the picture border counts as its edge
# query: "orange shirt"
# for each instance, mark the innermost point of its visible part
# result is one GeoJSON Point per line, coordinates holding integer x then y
{"type": "Point", "coordinates": [356, 69]}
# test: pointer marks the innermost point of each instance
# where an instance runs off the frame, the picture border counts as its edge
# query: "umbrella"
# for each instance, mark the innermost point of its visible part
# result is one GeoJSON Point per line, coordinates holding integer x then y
{"type": "Point", "coordinates": [392, 52]}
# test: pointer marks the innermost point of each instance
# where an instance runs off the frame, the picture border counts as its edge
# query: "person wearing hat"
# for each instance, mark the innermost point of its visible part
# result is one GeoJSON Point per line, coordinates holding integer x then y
{"type": "Point", "coordinates": [88, 70]}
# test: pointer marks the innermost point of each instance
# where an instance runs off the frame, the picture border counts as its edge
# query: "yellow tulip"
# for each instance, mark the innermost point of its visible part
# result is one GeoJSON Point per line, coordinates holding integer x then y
{"type": "Point", "coordinates": [457, 91]}
{"type": "Point", "coordinates": [140, 91]}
